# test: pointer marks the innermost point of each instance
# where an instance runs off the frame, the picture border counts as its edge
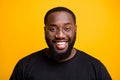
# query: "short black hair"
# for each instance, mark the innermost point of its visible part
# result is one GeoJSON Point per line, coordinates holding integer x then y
{"type": "Point", "coordinates": [56, 9]}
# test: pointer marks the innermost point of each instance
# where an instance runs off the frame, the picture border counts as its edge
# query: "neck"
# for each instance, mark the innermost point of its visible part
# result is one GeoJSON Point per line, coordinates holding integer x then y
{"type": "Point", "coordinates": [73, 52]}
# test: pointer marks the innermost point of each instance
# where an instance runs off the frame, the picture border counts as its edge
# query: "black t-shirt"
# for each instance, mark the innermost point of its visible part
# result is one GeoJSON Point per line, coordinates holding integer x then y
{"type": "Point", "coordinates": [38, 66]}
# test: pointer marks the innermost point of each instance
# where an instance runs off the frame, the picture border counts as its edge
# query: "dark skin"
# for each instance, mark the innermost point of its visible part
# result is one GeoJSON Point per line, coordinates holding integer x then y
{"type": "Point", "coordinates": [60, 27]}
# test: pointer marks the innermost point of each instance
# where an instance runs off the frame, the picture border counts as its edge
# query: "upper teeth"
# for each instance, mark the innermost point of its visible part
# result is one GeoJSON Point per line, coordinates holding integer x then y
{"type": "Point", "coordinates": [60, 42]}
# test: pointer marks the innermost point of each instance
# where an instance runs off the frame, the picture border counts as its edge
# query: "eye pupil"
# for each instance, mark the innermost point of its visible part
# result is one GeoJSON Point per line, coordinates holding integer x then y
{"type": "Point", "coordinates": [67, 29]}
{"type": "Point", "coordinates": [52, 29]}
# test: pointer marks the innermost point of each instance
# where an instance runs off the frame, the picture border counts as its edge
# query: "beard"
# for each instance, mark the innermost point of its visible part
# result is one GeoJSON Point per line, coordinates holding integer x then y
{"type": "Point", "coordinates": [57, 55]}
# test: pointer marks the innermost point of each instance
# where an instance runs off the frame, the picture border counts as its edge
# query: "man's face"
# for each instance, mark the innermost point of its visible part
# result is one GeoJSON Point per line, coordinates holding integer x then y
{"type": "Point", "coordinates": [60, 34]}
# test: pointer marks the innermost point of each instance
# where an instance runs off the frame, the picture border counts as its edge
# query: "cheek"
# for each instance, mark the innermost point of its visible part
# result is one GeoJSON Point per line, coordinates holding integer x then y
{"type": "Point", "coordinates": [72, 36]}
{"type": "Point", "coordinates": [50, 36]}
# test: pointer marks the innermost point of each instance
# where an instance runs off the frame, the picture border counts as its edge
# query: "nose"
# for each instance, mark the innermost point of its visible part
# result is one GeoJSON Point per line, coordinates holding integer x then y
{"type": "Point", "coordinates": [60, 34]}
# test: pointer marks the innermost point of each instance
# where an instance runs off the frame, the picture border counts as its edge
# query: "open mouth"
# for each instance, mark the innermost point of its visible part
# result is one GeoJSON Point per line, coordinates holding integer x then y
{"type": "Point", "coordinates": [61, 45]}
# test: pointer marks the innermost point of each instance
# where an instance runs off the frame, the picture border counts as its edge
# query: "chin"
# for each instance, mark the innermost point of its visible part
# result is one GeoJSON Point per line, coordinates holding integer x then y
{"type": "Point", "coordinates": [61, 51]}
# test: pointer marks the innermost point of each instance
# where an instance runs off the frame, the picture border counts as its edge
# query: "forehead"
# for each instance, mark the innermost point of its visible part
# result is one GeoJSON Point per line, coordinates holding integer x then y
{"type": "Point", "coordinates": [60, 16]}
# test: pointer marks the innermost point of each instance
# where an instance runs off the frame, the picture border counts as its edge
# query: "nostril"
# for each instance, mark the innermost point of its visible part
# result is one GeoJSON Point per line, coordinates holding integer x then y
{"type": "Point", "coordinates": [60, 34]}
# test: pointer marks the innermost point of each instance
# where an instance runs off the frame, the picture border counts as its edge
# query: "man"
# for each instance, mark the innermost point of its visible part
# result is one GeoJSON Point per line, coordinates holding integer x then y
{"type": "Point", "coordinates": [60, 61]}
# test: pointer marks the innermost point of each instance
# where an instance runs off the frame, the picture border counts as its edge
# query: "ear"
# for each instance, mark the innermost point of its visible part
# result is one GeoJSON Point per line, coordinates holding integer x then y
{"type": "Point", "coordinates": [75, 28]}
{"type": "Point", "coordinates": [44, 28]}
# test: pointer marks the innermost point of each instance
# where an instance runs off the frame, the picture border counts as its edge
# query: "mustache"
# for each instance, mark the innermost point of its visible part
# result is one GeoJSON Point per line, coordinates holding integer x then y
{"type": "Point", "coordinates": [61, 39]}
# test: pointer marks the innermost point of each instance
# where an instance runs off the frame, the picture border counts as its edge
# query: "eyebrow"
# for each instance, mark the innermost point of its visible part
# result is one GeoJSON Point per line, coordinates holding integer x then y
{"type": "Point", "coordinates": [56, 25]}
{"type": "Point", "coordinates": [68, 23]}
{"type": "Point", "coordinates": [52, 25]}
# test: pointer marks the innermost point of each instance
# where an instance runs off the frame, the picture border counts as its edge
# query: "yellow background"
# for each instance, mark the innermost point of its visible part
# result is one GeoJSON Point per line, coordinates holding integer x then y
{"type": "Point", "coordinates": [21, 30]}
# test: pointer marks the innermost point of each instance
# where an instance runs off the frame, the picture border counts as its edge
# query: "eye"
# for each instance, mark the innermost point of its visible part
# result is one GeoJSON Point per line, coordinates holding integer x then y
{"type": "Point", "coordinates": [52, 28]}
{"type": "Point", "coordinates": [67, 28]}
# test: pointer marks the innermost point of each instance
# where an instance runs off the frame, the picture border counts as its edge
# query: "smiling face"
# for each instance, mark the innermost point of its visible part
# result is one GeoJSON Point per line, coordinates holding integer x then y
{"type": "Point", "coordinates": [60, 34]}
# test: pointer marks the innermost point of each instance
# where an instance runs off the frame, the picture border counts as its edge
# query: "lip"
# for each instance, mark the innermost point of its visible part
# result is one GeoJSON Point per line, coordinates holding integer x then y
{"type": "Point", "coordinates": [55, 41]}
{"type": "Point", "coordinates": [61, 44]}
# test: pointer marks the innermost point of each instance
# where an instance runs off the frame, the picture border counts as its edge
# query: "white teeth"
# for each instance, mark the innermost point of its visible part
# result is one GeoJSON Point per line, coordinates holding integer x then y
{"type": "Point", "coordinates": [61, 43]}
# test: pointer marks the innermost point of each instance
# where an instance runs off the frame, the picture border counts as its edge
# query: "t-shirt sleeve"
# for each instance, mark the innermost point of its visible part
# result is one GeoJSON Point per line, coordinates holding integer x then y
{"type": "Point", "coordinates": [102, 73]}
{"type": "Point", "coordinates": [18, 72]}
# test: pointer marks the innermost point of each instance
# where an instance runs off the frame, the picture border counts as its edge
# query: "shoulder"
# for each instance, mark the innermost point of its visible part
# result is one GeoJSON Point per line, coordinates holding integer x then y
{"type": "Point", "coordinates": [94, 65]}
{"type": "Point", "coordinates": [33, 57]}
{"type": "Point", "coordinates": [86, 58]}
{"type": "Point", "coordinates": [91, 62]}
{"type": "Point", "coordinates": [27, 64]}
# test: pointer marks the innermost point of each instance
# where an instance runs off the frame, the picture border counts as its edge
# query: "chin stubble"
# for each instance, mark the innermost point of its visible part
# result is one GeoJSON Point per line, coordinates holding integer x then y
{"type": "Point", "coordinates": [59, 56]}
